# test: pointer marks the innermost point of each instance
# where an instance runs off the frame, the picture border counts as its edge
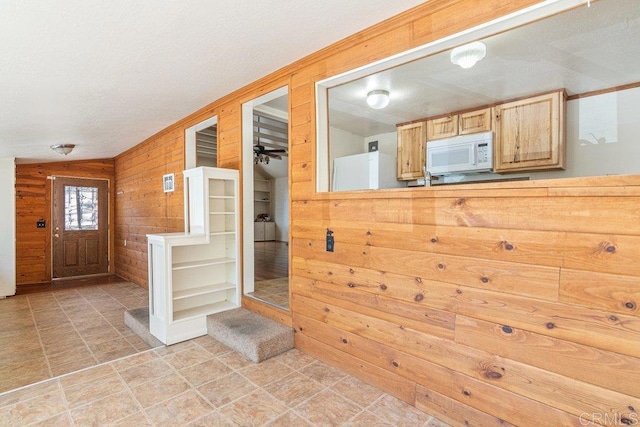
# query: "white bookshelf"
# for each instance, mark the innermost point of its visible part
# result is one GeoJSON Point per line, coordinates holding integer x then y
{"type": "Point", "coordinates": [261, 197]}
{"type": "Point", "coordinates": [262, 230]}
{"type": "Point", "coordinates": [196, 273]}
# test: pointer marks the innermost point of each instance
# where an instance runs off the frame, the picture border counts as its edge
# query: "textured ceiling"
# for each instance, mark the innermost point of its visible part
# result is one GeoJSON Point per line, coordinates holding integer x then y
{"type": "Point", "coordinates": [583, 50]}
{"type": "Point", "coordinates": [106, 75]}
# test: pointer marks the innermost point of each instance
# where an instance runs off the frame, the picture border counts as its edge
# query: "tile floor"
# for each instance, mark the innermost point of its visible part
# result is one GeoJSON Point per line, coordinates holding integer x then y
{"type": "Point", "coordinates": [47, 334]}
{"type": "Point", "coordinates": [74, 342]}
{"type": "Point", "coordinates": [275, 291]}
{"type": "Point", "coordinates": [203, 383]}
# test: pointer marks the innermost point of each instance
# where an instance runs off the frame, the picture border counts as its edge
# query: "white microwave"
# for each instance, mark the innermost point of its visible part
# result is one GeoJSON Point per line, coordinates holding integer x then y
{"type": "Point", "coordinates": [461, 154]}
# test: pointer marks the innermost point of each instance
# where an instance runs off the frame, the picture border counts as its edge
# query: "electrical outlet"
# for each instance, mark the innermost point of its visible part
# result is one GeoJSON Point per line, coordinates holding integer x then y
{"type": "Point", "coordinates": [330, 241]}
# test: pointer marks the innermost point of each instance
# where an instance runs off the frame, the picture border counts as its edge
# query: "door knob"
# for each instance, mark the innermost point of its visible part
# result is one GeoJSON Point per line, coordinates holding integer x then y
{"type": "Point", "coordinates": [56, 235]}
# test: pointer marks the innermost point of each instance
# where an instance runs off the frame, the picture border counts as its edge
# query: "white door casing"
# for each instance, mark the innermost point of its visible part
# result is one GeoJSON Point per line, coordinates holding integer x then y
{"type": "Point", "coordinates": [248, 269]}
{"type": "Point", "coordinates": [8, 227]}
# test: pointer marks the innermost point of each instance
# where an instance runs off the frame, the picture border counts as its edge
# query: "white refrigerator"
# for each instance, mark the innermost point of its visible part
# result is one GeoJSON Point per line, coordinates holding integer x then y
{"type": "Point", "coordinates": [366, 171]}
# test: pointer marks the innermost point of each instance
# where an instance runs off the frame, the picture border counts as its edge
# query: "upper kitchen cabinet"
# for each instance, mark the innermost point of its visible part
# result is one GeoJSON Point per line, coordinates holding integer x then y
{"type": "Point", "coordinates": [530, 133]}
{"type": "Point", "coordinates": [459, 124]}
{"type": "Point", "coordinates": [474, 121]}
{"type": "Point", "coordinates": [442, 127]}
{"type": "Point", "coordinates": [412, 139]}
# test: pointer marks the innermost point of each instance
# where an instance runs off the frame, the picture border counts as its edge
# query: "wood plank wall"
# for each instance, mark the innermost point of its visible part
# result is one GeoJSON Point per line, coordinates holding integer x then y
{"type": "Point", "coordinates": [33, 202]}
{"type": "Point", "coordinates": [142, 206]}
{"type": "Point", "coordinates": [486, 304]}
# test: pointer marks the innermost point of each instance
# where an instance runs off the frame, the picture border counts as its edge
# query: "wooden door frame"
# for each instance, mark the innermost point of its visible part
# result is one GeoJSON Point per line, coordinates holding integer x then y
{"type": "Point", "coordinates": [48, 250]}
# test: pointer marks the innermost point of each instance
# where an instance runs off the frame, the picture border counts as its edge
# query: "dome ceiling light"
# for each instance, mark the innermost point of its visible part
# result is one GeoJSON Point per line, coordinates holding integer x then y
{"type": "Point", "coordinates": [378, 99]}
{"type": "Point", "coordinates": [467, 55]}
{"type": "Point", "coordinates": [63, 148]}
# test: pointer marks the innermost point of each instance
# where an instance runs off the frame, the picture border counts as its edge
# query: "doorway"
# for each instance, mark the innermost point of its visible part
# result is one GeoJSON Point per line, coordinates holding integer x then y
{"type": "Point", "coordinates": [201, 144]}
{"type": "Point", "coordinates": [265, 122]}
{"type": "Point", "coordinates": [80, 227]}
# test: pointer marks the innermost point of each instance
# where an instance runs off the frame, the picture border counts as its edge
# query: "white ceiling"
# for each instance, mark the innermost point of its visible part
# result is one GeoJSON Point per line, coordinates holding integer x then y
{"type": "Point", "coordinates": [583, 50]}
{"type": "Point", "coordinates": [106, 75]}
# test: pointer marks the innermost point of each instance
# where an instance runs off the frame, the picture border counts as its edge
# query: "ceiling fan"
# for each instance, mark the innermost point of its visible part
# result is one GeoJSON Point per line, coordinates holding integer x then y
{"type": "Point", "coordinates": [261, 154]}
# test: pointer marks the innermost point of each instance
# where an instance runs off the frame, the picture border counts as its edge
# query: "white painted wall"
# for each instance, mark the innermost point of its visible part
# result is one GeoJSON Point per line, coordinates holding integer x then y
{"type": "Point", "coordinates": [602, 136]}
{"type": "Point", "coordinates": [343, 143]}
{"type": "Point", "coordinates": [280, 200]}
{"type": "Point", "coordinates": [7, 227]}
{"type": "Point", "coordinates": [387, 143]}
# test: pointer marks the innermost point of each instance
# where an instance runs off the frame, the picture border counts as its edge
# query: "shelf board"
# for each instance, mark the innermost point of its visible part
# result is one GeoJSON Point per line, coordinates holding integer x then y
{"type": "Point", "coordinates": [261, 200]}
{"type": "Point", "coordinates": [201, 263]}
{"type": "Point", "coordinates": [221, 213]}
{"type": "Point", "coordinates": [222, 233]}
{"type": "Point", "coordinates": [204, 310]}
{"type": "Point", "coordinates": [202, 290]}
{"type": "Point", "coordinates": [221, 197]}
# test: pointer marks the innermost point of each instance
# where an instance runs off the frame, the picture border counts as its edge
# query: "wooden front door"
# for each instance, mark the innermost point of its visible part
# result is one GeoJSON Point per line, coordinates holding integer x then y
{"type": "Point", "coordinates": [80, 227]}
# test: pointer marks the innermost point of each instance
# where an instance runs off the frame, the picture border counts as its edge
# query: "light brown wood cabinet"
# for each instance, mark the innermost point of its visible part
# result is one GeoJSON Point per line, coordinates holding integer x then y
{"type": "Point", "coordinates": [530, 134]}
{"type": "Point", "coordinates": [474, 121]}
{"type": "Point", "coordinates": [459, 124]}
{"type": "Point", "coordinates": [442, 127]}
{"type": "Point", "coordinates": [412, 139]}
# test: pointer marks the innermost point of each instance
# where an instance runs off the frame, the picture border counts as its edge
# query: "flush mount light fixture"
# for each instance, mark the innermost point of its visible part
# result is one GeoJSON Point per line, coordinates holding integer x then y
{"type": "Point", "coordinates": [378, 99]}
{"type": "Point", "coordinates": [467, 55]}
{"type": "Point", "coordinates": [63, 148]}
